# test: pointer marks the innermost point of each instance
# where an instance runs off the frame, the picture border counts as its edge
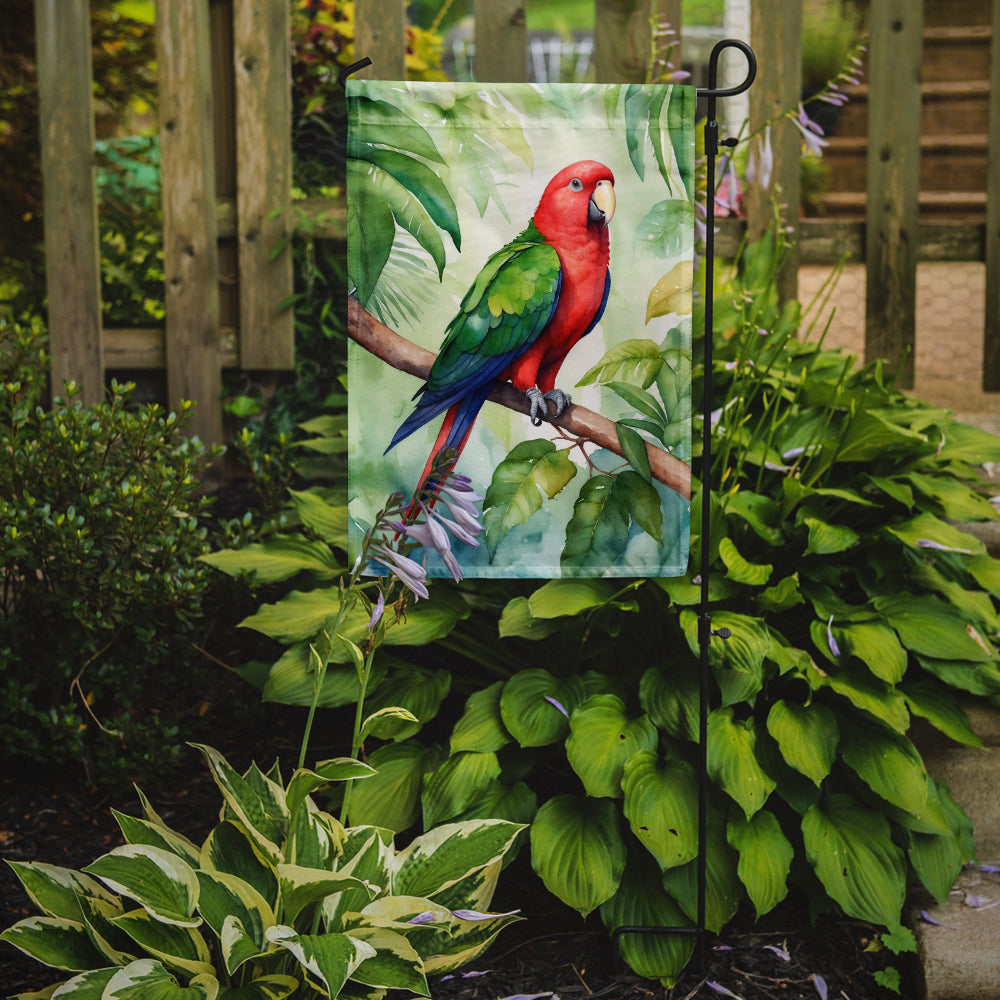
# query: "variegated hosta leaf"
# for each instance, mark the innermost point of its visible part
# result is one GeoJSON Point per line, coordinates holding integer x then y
{"type": "Point", "coordinates": [661, 798]}
{"type": "Point", "coordinates": [301, 887]}
{"type": "Point", "coordinates": [642, 902]}
{"type": "Point", "coordinates": [116, 946]}
{"type": "Point", "coordinates": [226, 898]}
{"type": "Point", "coordinates": [851, 849]}
{"type": "Point", "coordinates": [274, 987]}
{"type": "Point", "coordinates": [441, 857]}
{"type": "Point", "coordinates": [315, 839]}
{"type": "Point", "coordinates": [765, 858]}
{"type": "Point", "coordinates": [468, 939]}
{"type": "Point", "coordinates": [147, 979]}
{"type": "Point", "coordinates": [230, 849]}
{"type": "Point", "coordinates": [86, 986]}
{"type": "Point", "coordinates": [395, 964]}
{"type": "Point", "coordinates": [142, 831]}
{"type": "Point", "coordinates": [304, 782]}
{"type": "Point", "coordinates": [158, 880]}
{"type": "Point", "coordinates": [56, 891]}
{"type": "Point", "coordinates": [54, 941]}
{"type": "Point", "coordinates": [329, 959]}
{"type": "Point", "coordinates": [256, 801]}
{"type": "Point", "coordinates": [578, 851]}
{"type": "Point", "coordinates": [602, 738]}
{"type": "Point", "coordinates": [367, 856]}
{"type": "Point", "coordinates": [177, 947]}
{"type": "Point", "coordinates": [475, 891]}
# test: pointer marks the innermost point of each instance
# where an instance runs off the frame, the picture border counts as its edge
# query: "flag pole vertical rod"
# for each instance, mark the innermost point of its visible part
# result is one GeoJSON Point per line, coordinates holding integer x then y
{"type": "Point", "coordinates": [705, 633]}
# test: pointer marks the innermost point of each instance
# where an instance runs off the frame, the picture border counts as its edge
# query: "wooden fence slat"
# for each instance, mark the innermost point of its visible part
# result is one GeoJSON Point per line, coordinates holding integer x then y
{"type": "Point", "coordinates": [72, 256]}
{"type": "Point", "coordinates": [501, 41]}
{"type": "Point", "coordinates": [261, 57]}
{"type": "Point", "coordinates": [621, 40]}
{"type": "Point", "coordinates": [991, 331]}
{"type": "Point", "coordinates": [893, 184]}
{"type": "Point", "coordinates": [190, 252]}
{"type": "Point", "coordinates": [380, 34]}
{"type": "Point", "coordinates": [776, 36]}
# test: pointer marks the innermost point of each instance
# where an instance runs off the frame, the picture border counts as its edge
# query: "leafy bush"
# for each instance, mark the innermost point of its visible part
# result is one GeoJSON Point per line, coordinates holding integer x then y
{"type": "Point", "coordinates": [854, 604]}
{"type": "Point", "coordinates": [99, 539]}
{"type": "Point", "coordinates": [279, 899]}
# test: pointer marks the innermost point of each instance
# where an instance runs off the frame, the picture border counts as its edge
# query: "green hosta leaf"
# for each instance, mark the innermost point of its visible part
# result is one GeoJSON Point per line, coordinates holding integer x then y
{"type": "Point", "coordinates": [142, 831]}
{"type": "Point", "coordinates": [54, 941]}
{"type": "Point", "coordinates": [440, 858]}
{"type": "Point", "coordinates": [661, 798]}
{"type": "Point", "coordinates": [828, 539]}
{"type": "Point", "coordinates": [723, 889]}
{"type": "Point", "coordinates": [230, 849]}
{"type": "Point", "coordinates": [783, 595]}
{"type": "Point", "coordinates": [751, 574]}
{"type": "Point", "coordinates": [481, 728]}
{"type": "Point", "coordinates": [279, 558]}
{"type": "Point", "coordinates": [395, 964]}
{"type": "Point", "coordinates": [327, 520]}
{"type": "Point", "coordinates": [957, 501]}
{"type": "Point", "coordinates": [416, 689]}
{"type": "Point", "coordinates": [738, 661]}
{"type": "Point", "coordinates": [515, 492]}
{"type": "Point", "coordinates": [559, 598]}
{"type": "Point", "coordinates": [456, 784]}
{"type": "Point", "coordinates": [932, 628]}
{"type": "Point", "coordinates": [937, 857]}
{"type": "Point", "coordinates": [765, 858]}
{"type": "Point", "coordinates": [928, 528]}
{"type": "Point", "coordinates": [56, 891]}
{"type": "Point", "coordinates": [641, 901]}
{"type": "Point", "coordinates": [260, 806]}
{"type": "Point", "coordinates": [807, 736]}
{"type": "Point", "coordinates": [515, 803]}
{"type": "Point", "coordinates": [330, 959]}
{"type": "Point", "coordinates": [163, 884]}
{"type": "Point", "coordinates": [391, 799]}
{"type": "Point", "coordinates": [867, 693]}
{"type": "Point", "coordinates": [388, 722]}
{"type": "Point", "coordinates": [876, 646]}
{"type": "Point", "coordinates": [601, 740]}
{"type": "Point", "coordinates": [888, 763]}
{"type": "Point", "coordinates": [578, 851]}
{"type": "Point", "coordinates": [180, 948]}
{"type": "Point", "coordinates": [760, 512]}
{"type": "Point", "coordinates": [517, 620]}
{"type": "Point", "coordinates": [870, 436]}
{"type": "Point", "coordinates": [671, 699]}
{"type": "Point", "coordinates": [850, 847]}
{"type": "Point", "coordinates": [976, 678]}
{"type": "Point", "coordinates": [301, 887]}
{"type": "Point", "coordinates": [635, 361]}
{"type": "Point", "coordinates": [147, 979]}
{"type": "Point", "coordinates": [530, 706]}
{"type": "Point", "coordinates": [732, 760]}
{"type": "Point", "coordinates": [936, 704]}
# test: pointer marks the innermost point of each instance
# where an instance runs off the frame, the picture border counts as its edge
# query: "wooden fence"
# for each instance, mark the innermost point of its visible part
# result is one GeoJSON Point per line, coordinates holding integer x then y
{"type": "Point", "coordinates": [226, 161]}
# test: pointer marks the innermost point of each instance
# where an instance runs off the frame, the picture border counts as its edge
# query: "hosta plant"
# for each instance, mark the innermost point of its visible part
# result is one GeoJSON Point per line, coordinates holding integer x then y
{"type": "Point", "coordinates": [279, 900]}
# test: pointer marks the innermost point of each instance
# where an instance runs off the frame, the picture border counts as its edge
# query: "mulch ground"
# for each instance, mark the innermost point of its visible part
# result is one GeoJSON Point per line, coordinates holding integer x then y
{"type": "Point", "coordinates": [551, 953]}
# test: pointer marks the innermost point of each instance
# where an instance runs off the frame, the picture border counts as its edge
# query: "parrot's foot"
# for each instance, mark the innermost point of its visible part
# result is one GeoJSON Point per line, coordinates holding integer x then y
{"type": "Point", "coordinates": [540, 401]}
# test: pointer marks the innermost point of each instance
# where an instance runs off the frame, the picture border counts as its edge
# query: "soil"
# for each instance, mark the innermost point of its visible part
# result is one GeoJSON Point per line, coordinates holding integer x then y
{"type": "Point", "coordinates": [551, 953]}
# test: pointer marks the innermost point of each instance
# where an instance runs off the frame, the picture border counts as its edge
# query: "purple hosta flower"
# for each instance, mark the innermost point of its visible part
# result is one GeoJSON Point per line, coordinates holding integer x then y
{"type": "Point", "coordinates": [475, 915]}
{"type": "Point", "coordinates": [927, 543]}
{"type": "Point", "coordinates": [465, 975]}
{"type": "Point", "coordinates": [927, 918]}
{"type": "Point", "coordinates": [427, 917]}
{"type": "Point", "coordinates": [990, 869]}
{"type": "Point", "coordinates": [820, 984]}
{"type": "Point", "coordinates": [558, 705]}
{"type": "Point", "coordinates": [719, 988]}
{"type": "Point", "coordinates": [410, 573]}
{"type": "Point", "coordinates": [834, 648]}
{"type": "Point", "coordinates": [760, 165]}
{"type": "Point", "coordinates": [812, 134]}
{"type": "Point", "coordinates": [780, 952]}
{"type": "Point", "coordinates": [377, 611]}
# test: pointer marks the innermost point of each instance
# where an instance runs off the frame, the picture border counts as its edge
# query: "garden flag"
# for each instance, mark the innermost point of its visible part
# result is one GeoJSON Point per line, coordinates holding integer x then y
{"type": "Point", "coordinates": [520, 263]}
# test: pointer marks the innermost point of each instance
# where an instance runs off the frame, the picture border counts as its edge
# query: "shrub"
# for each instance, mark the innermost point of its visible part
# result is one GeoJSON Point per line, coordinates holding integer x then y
{"type": "Point", "coordinates": [280, 899]}
{"type": "Point", "coordinates": [99, 539]}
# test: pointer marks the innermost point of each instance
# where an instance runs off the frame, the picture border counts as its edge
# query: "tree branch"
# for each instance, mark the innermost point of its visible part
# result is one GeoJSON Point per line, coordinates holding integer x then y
{"type": "Point", "coordinates": [405, 356]}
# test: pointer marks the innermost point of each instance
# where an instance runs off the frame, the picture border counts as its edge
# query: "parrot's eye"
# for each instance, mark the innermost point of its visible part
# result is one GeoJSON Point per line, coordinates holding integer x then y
{"type": "Point", "coordinates": [576, 184]}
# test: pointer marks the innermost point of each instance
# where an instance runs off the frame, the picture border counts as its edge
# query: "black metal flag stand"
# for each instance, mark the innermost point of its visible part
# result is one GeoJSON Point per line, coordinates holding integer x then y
{"type": "Point", "coordinates": [705, 631]}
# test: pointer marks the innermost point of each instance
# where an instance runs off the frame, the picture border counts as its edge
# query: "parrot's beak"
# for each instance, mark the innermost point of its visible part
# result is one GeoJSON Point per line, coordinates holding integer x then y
{"type": "Point", "coordinates": [602, 203]}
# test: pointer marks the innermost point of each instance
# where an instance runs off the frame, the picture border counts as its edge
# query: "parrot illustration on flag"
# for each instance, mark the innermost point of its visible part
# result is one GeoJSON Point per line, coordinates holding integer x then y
{"type": "Point", "coordinates": [533, 300]}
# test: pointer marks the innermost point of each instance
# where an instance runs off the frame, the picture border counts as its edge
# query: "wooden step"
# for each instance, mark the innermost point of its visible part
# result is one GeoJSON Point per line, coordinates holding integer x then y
{"type": "Point", "coordinates": [944, 104]}
{"type": "Point", "coordinates": [947, 163]}
{"type": "Point", "coordinates": [956, 53]}
{"type": "Point", "coordinates": [958, 206]}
